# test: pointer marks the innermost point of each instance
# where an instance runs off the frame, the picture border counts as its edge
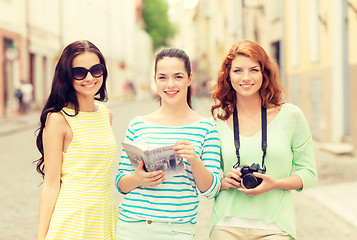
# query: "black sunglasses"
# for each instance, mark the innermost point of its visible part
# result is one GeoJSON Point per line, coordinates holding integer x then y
{"type": "Point", "coordinates": [80, 73]}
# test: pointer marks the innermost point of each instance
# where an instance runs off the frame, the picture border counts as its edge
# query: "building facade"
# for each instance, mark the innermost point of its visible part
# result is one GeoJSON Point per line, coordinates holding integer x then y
{"type": "Point", "coordinates": [321, 52]}
{"type": "Point", "coordinates": [34, 32]}
{"type": "Point", "coordinates": [314, 43]}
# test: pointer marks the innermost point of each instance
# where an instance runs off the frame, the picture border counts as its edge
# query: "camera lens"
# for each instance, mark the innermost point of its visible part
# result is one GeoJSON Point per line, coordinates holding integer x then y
{"type": "Point", "coordinates": [250, 181]}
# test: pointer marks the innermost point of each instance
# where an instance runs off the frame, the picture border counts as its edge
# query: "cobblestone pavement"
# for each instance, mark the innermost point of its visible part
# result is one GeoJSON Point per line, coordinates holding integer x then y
{"type": "Point", "coordinates": [324, 212]}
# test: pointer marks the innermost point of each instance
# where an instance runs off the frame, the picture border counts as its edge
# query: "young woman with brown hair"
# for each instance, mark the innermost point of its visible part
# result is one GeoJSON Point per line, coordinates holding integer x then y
{"type": "Point", "coordinates": [266, 148]}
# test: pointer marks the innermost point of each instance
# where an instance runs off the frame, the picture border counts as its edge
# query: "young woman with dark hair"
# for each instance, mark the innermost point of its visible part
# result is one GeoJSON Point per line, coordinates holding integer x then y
{"type": "Point", "coordinates": [177, 53]}
{"type": "Point", "coordinates": [256, 127]}
{"type": "Point", "coordinates": [77, 149]}
{"type": "Point", "coordinates": [155, 206]}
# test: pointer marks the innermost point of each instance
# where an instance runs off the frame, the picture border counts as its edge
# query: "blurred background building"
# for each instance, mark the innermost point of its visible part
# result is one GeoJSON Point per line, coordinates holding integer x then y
{"type": "Point", "coordinates": [313, 41]}
{"type": "Point", "coordinates": [34, 32]}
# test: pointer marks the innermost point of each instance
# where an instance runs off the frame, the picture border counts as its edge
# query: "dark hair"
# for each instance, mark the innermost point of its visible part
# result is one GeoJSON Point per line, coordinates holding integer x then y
{"type": "Point", "coordinates": [180, 54]}
{"type": "Point", "coordinates": [62, 91]}
{"type": "Point", "coordinates": [271, 90]}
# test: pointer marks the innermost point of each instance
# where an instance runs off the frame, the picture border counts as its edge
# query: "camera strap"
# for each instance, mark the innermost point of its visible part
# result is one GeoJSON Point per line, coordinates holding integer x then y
{"type": "Point", "coordinates": [236, 134]}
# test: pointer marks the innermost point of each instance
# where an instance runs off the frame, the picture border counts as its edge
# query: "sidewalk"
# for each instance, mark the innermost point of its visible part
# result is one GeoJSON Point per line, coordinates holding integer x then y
{"type": "Point", "coordinates": [19, 123]}
{"type": "Point", "coordinates": [335, 190]}
{"type": "Point", "coordinates": [337, 184]}
{"type": "Point", "coordinates": [340, 198]}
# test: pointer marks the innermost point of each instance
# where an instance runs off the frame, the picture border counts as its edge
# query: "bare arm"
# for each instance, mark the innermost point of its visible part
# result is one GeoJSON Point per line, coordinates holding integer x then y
{"type": "Point", "coordinates": [110, 117]}
{"type": "Point", "coordinates": [53, 138]}
{"type": "Point", "coordinates": [203, 177]}
{"type": "Point", "coordinates": [140, 178]}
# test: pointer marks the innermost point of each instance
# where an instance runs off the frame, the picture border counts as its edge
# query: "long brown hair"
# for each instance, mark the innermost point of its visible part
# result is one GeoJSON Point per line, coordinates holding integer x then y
{"type": "Point", "coordinates": [223, 93]}
{"type": "Point", "coordinates": [62, 91]}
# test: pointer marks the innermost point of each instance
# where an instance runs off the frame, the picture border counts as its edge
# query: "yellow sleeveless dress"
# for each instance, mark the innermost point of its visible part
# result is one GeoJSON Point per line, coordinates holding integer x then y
{"type": "Point", "coordinates": [85, 207]}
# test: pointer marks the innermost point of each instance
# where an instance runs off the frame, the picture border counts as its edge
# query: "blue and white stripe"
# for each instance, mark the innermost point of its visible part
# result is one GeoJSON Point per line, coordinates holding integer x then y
{"type": "Point", "coordinates": [176, 199]}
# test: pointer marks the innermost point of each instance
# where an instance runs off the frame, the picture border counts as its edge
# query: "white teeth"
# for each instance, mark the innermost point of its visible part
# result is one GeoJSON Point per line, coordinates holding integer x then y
{"type": "Point", "coordinates": [171, 92]}
{"type": "Point", "coordinates": [89, 86]}
{"type": "Point", "coordinates": [246, 85]}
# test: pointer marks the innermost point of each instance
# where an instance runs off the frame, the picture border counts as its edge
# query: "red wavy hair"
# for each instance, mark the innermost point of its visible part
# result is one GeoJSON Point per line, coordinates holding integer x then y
{"type": "Point", "coordinates": [223, 93]}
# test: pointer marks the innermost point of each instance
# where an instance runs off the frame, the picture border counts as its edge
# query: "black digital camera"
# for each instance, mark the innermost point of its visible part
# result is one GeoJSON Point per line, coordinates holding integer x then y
{"type": "Point", "coordinates": [248, 179]}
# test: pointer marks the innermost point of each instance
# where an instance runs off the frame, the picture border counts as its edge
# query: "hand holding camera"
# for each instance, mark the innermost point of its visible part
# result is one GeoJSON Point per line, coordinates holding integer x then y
{"type": "Point", "coordinates": [248, 179]}
{"type": "Point", "coordinates": [231, 180]}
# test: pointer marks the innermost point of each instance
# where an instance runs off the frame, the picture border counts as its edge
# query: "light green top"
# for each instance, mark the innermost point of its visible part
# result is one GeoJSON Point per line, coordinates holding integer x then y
{"type": "Point", "coordinates": [289, 151]}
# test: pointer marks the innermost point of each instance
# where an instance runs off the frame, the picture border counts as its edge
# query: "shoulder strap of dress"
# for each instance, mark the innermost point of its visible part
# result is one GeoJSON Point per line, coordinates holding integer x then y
{"type": "Point", "coordinates": [102, 107]}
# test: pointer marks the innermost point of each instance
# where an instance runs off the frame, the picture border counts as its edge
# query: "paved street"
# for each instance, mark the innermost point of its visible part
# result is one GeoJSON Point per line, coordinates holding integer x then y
{"type": "Point", "coordinates": [325, 212]}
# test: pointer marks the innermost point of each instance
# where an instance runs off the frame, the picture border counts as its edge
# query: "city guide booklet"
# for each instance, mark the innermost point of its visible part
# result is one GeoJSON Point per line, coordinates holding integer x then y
{"type": "Point", "coordinates": [161, 158]}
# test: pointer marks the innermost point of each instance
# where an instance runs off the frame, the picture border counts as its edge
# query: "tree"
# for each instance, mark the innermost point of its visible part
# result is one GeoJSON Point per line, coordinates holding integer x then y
{"type": "Point", "coordinates": [158, 25]}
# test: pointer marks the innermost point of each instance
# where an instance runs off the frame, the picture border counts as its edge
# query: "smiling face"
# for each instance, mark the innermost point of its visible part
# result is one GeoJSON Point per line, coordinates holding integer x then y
{"type": "Point", "coordinates": [246, 76]}
{"type": "Point", "coordinates": [172, 80]}
{"type": "Point", "coordinates": [89, 86]}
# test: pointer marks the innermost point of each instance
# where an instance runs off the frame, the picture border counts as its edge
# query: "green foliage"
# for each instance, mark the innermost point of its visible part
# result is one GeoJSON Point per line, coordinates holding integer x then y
{"type": "Point", "coordinates": [158, 25]}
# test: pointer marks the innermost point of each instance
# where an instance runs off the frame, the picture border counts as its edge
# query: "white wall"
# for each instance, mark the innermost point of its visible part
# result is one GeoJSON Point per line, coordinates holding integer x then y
{"type": "Point", "coordinates": [52, 25]}
{"type": "Point", "coordinates": [12, 16]}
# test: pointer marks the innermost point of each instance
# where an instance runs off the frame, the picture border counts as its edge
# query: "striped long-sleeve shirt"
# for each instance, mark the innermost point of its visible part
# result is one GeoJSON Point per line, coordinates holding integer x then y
{"type": "Point", "coordinates": [176, 199]}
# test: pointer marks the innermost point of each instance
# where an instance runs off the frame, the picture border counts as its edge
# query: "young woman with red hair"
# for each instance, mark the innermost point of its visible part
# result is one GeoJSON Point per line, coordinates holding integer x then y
{"type": "Point", "coordinates": [266, 146]}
